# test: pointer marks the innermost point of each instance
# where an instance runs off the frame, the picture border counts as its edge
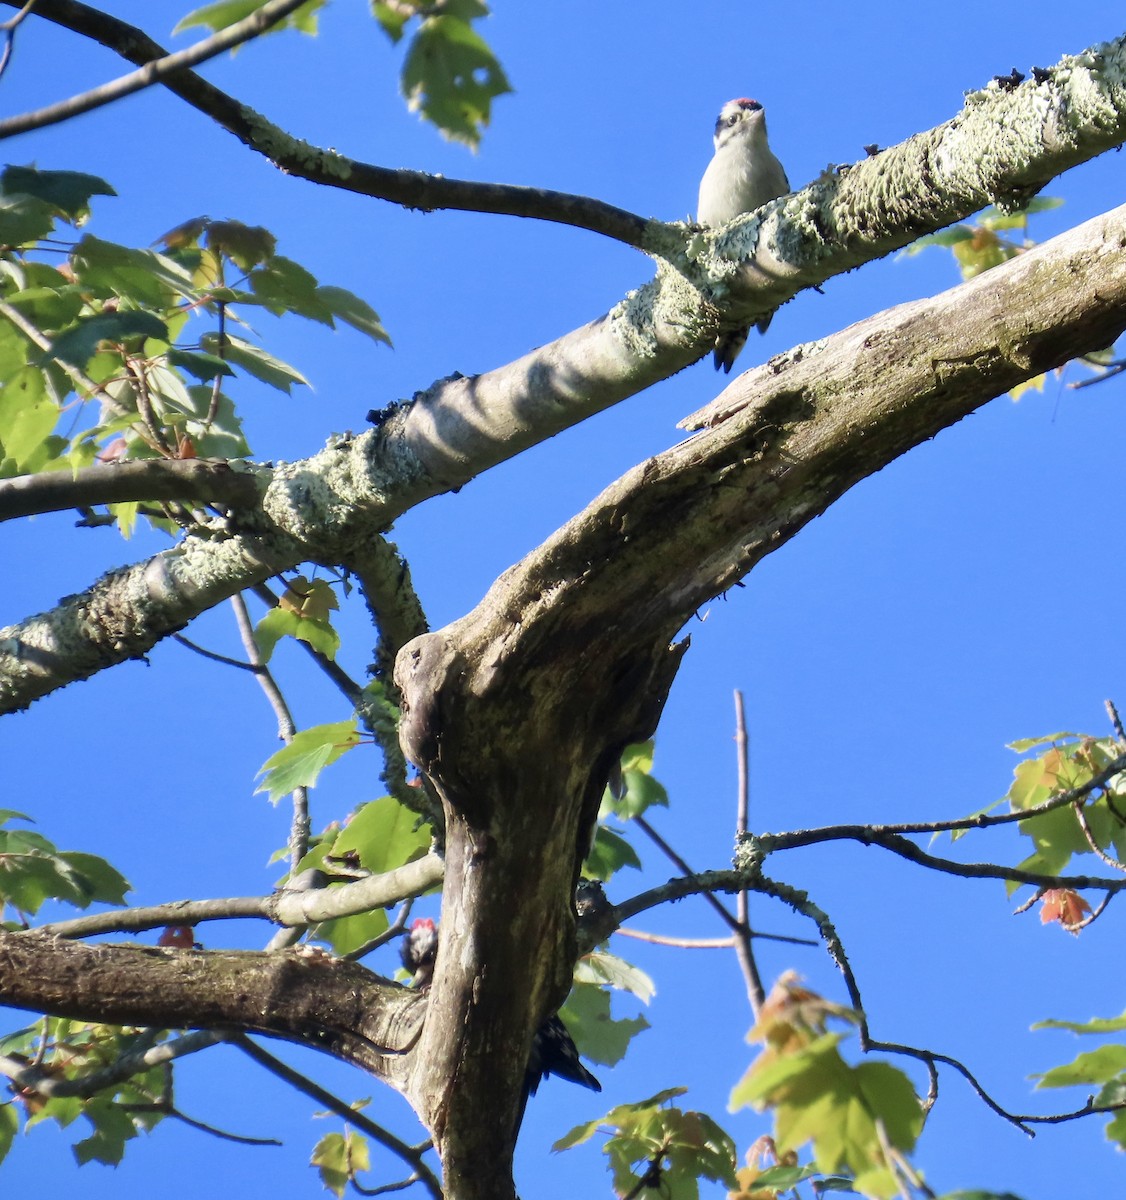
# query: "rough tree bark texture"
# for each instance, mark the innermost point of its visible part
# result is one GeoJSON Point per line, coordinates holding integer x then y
{"type": "Point", "coordinates": [517, 710]}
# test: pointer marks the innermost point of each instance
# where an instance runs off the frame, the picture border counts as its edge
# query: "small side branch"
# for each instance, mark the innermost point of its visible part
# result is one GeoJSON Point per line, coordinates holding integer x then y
{"type": "Point", "coordinates": [744, 950]}
{"type": "Point", "coordinates": [115, 483]}
{"type": "Point", "coordinates": [411, 189]}
{"type": "Point", "coordinates": [283, 908]}
{"type": "Point", "coordinates": [299, 825]}
{"type": "Point", "coordinates": [44, 1083]}
{"type": "Point", "coordinates": [411, 1155]}
{"type": "Point", "coordinates": [154, 71]}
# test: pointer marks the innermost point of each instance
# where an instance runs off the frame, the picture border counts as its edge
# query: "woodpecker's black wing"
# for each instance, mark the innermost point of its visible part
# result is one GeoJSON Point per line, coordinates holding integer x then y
{"type": "Point", "coordinates": [554, 1053]}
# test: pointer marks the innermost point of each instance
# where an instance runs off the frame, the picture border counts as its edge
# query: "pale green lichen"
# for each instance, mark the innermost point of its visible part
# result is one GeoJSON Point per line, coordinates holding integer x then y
{"type": "Point", "coordinates": [278, 145]}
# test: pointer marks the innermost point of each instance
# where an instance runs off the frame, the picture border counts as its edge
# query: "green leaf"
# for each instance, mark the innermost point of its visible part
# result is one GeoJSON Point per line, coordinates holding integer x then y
{"type": "Point", "coordinates": [143, 276]}
{"type": "Point", "coordinates": [228, 12]}
{"type": "Point", "coordinates": [975, 1194]}
{"type": "Point", "coordinates": [245, 245]}
{"type": "Point", "coordinates": [300, 763]}
{"type": "Point", "coordinates": [1023, 745]}
{"type": "Point", "coordinates": [1095, 1025]}
{"type": "Point", "coordinates": [609, 854]}
{"type": "Point", "coordinates": [204, 367]}
{"type": "Point", "coordinates": [642, 791]}
{"type": "Point", "coordinates": [598, 1036]}
{"type": "Point", "coordinates": [78, 344]}
{"type": "Point", "coordinates": [623, 1112]}
{"type": "Point", "coordinates": [345, 935]}
{"type": "Point", "coordinates": [782, 1179]}
{"type": "Point", "coordinates": [451, 76]}
{"type": "Point", "coordinates": [27, 417]}
{"type": "Point", "coordinates": [32, 871]}
{"type": "Point", "coordinates": [338, 1156]}
{"type": "Point", "coordinates": [9, 1127]}
{"type": "Point", "coordinates": [99, 880]}
{"type": "Point", "coordinates": [600, 968]}
{"type": "Point", "coordinates": [24, 220]}
{"type": "Point", "coordinates": [255, 361]}
{"type": "Point", "coordinates": [67, 191]}
{"type": "Point", "coordinates": [353, 311]}
{"type": "Point", "coordinates": [687, 1146]}
{"type": "Point", "coordinates": [945, 237]}
{"type": "Point", "coordinates": [847, 1112]}
{"type": "Point", "coordinates": [283, 622]}
{"type": "Point", "coordinates": [283, 285]}
{"type": "Point", "coordinates": [113, 1127]}
{"type": "Point", "coordinates": [223, 438]}
{"type": "Point", "coordinates": [383, 835]}
{"type": "Point", "coordinates": [1093, 1066]}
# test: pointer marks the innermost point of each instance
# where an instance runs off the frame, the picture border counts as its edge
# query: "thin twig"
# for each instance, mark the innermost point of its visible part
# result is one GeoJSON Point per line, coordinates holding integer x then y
{"type": "Point", "coordinates": [979, 820]}
{"type": "Point", "coordinates": [1093, 916]}
{"type": "Point", "coordinates": [299, 825]}
{"type": "Point", "coordinates": [227, 661]}
{"type": "Point", "coordinates": [152, 72]}
{"type": "Point", "coordinates": [384, 1188]}
{"type": "Point", "coordinates": [283, 908]}
{"type": "Point", "coordinates": [1096, 849]}
{"type": "Point", "coordinates": [1116, 722]}
{"type": "Point", "coordinates": [1109, 370]}
{"type": "Point", "coordinates": [728, 918]}
{"type": "Point", "coordinates": [658, 939]}
{"type": "Point", "coordinates": [800, 902]}
{"type": "Point", "coordinates": [875, 835]}
{"type": "Point", "coordinates": [9, 28]}
{"type": "Point", "coordinates": [389, 934]}
{"type": "Point", "coordinates": [397, 614]}
{"type": "Point", "coordinates": [744, 951]}
{"type": "Point", "coordinates": [169, 1110]}
{"type": "Point", "coordinates": [411, 1155]}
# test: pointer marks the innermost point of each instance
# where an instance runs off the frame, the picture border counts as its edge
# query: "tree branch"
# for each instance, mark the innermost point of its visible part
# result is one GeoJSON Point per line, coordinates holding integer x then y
{"type": "Point", "coordinates": [153, 71]}
{"type": "Point", "coordinates": [744, 949]}
{"type": "Point", "coordinates": [48, 1084]}
{"type": "Point", "coordinates": [325, 1003]}
{"type": "Point", "coordinates": [283, 908]}
{"type": "Point", "coordinates": [409, 1154]}
{"type": "Point", "coordinates": [411, 189]}
{"type": "Point", "coordinates": [870, 835]}
{"type": "Point", "coordinates": [229, 483]}
{"type": "Point", "coordinates": [920, 367]}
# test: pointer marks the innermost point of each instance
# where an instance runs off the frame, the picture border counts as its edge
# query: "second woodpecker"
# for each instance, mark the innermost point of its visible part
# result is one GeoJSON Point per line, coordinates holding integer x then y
{"type": "Point", "coordinates": [742, 176]}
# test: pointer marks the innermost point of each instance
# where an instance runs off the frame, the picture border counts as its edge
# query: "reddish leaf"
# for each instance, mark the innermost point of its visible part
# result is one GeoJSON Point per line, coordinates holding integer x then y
{"type": "Point", "coordinates": [1065, 906]}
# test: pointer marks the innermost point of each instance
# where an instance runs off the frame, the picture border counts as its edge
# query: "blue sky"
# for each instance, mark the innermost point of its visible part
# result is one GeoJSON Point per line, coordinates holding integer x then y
{"type": "Point", "coordinates": [966, 596]}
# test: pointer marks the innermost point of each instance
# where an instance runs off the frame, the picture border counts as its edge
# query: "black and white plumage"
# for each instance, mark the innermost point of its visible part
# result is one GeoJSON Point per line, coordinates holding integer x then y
{"type": "Point", "coordinates": [553, 1049]}
{"type": "Point", "coordinates": [554, 1053]}
{"type": "Point", "coordinates": [742, 176]}
{"type": "Point", "coordinates": [419, 951]}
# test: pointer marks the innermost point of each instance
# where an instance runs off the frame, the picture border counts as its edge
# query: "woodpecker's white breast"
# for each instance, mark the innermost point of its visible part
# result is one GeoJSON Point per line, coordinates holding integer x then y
{"type": "Point", "coordinates": [743, 173]}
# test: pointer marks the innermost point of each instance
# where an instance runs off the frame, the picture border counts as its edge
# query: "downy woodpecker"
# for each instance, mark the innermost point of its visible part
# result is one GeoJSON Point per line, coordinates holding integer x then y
{"type": "Point", "coordinates": [742, 176]}
{"type": "Point", "coordinates": [553, 1050]}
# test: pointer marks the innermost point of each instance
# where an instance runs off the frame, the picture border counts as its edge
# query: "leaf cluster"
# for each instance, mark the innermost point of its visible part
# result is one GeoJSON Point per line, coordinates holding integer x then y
{"type": "Point", "coordinates": [111, 352]}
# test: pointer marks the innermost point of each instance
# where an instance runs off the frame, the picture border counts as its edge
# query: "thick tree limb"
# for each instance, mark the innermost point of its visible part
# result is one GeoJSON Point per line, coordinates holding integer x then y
{"type": "Point", "coordinates": [1004, 143]}
{"type": "Point", "coordinates": [568, 655]}
{"type": "Point", "coordinates": [327, 1003]}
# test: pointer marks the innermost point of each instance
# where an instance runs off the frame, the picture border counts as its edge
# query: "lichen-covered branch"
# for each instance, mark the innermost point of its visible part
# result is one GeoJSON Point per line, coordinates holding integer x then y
{"type": "Point", "coordinates": [568, 656]}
